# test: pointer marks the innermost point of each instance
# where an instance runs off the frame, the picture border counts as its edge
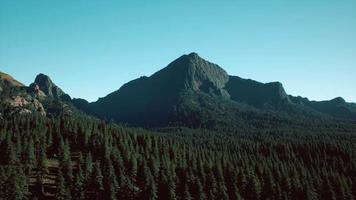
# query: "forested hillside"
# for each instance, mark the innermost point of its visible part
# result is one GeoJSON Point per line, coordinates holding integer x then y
{"type": "Point", "coordinates": [75, 158]}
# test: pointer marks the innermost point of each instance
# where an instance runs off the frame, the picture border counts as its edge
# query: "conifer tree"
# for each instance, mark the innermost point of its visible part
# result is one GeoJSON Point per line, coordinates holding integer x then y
{"type": "Point", "coordinates": [63, 191]}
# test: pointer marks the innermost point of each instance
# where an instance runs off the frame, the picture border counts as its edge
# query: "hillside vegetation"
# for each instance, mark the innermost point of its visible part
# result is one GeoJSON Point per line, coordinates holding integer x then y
{"type": "Point", "coordinates": [74, 158]}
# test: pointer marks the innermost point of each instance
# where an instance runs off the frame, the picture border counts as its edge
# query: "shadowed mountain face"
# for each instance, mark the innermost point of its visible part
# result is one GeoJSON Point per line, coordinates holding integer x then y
{"type": "Point", "coordinates": [336, 107]}
{"type": "Point", "coordinates": [154, 99]}
{"type": "Point", "coordinates": [191, 87]}
{"type": "Point", "coordinates": [257, 94]}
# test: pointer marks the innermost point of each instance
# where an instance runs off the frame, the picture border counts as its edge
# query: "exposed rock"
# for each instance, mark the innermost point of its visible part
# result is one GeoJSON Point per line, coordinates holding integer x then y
{"type": "Point", "coordinates": [24, 111]}
{"type": "Point", "coordinates": [21, 105]}
{"type": "Point", "coordinates": [18, 101]}
{"type": "Point", "coordinates": [42, 97]}
{"type": "Point", "coordinates": [46, 85]}
{"type": "Point", "coordinates": [39, 107]}
{"type": "Point", "coordinates": [35, 89]}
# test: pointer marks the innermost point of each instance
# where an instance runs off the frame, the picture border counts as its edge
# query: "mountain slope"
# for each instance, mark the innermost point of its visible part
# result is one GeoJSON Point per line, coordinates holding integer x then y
{"type": "Point", "coordinates": [42, 97]}
{"type": "Point", "coordinates": [189, 91]}
{"type": "Point", "coordinates": [255, 93]}
{"type": "Point", "coordinates": [192, 91]}
{"type": "Point", "coordinates": [153, 100]}
{"type": "Point", "coordinates": [9, 81]}
{"type": "Point", "coordinates": [336, 107]}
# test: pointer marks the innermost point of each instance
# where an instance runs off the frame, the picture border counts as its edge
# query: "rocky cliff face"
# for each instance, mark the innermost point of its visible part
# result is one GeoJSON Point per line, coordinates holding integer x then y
{"type": "Point", "coordinates": [42, 97]}
{"type": "Point", "coordinates": [23, 104]}
{"type": "Point", "coordinates": [44, 83]}
{"type": "Point", "coordinates": [14, 98]}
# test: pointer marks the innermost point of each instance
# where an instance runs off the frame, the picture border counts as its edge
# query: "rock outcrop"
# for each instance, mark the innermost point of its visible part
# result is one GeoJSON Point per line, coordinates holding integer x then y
{"type": "Point", "coordinates": [42, 97]}
{"type": "Point", "coordinates": [45, 84]}
{"type": "Point", "coordinates": [35, 90]}
{"type": "Point", "coordinates": [24, 105]}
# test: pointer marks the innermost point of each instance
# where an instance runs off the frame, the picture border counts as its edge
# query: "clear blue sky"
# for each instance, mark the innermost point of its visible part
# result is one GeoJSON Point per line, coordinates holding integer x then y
{"type": "Point", "coordinates": [90, 48]}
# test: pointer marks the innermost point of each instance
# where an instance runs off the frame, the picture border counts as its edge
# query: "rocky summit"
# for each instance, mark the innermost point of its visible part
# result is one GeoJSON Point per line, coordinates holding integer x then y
{"type": "Point", "coordinates": [42, 97]}
{"type": "Point", "coordinates": [45, 84]}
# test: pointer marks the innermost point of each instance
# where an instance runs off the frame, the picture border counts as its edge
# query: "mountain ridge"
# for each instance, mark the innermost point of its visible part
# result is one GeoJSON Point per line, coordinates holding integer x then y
{"type": "Point", "coordinates": [193, 83]}
{"type": "Point", "coordinates": [41, 97]}
{"type": "Point", "coordinates": [188, 88]}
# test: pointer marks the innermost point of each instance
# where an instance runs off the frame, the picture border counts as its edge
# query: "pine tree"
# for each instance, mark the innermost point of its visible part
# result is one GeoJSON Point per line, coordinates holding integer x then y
{"type": "Point", "coordinates": [65, 162]}
{"type": "Point", "coordinates": [147, 183]}
{"type": "Point", "coordinates": [88, 167]}
{"type": "Point", "coordinates": [111, 185]}
{"type": "Point", "coordinates": [78, 191]}
{"type": "Point", "coordinates": [30, 157]}
{"type": "Point", "coordinates": [11, 153]}
{"type": "Point", "coordinates": [97, 181]}
{"type": "Point", "coordinates": [63, 192]}
{"type": "Point", "coordinates": [199, 194]}
{"type": "Point", "coordinates": [16, 184]}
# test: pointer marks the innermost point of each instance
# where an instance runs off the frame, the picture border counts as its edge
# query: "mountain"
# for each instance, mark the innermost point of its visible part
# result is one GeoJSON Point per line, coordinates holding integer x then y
{"type": "Point", "coordinates": [336, 107]}
{"type": "Point", "coordinates": [45, 84]}
{"type": "Point", "coordinates": [210, 136]}
{"type": "Point", "coordinates": [8, 81]}
{"type": "Point", "coordinates": [190, 91]}
{"type": "Point", "coordinates": [193, 91]}
{"type": "Point", "coordinates": [153, 100]}
{"type": "Point", "coordinates": [257, 94]}
{"type": "Point", "coordinates": [42, 97]}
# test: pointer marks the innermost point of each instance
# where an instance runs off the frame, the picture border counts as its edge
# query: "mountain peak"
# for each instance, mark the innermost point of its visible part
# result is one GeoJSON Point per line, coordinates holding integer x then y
{"type": "Point", "coordinates": [46, 85]}
{"type": "Point", "coordinates": [338, 100]}
{"type": "Point", "coordinates": [192, 72]}
{"type": "Point", "coordinates": [190, 58]}
{"type": "Point", "coordinates": [194, 55]}
{"type": "Point", "coordinates": [42, 79]}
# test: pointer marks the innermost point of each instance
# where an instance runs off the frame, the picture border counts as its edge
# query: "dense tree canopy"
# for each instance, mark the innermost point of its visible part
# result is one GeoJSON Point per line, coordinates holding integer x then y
{"type": "Point", "coordinates": [75, 158]}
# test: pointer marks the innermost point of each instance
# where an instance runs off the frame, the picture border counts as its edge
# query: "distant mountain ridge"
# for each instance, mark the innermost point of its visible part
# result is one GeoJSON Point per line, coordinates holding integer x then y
{"type": "Point", "coordinates": [189, 91]}
{"type": "Point", "coordinates": [191, 85]}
